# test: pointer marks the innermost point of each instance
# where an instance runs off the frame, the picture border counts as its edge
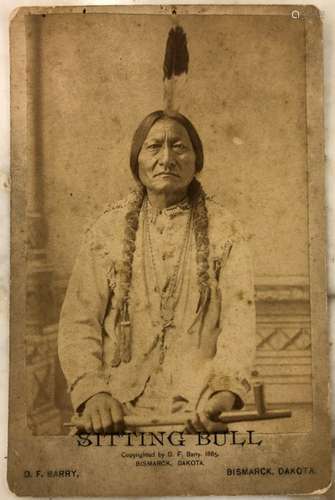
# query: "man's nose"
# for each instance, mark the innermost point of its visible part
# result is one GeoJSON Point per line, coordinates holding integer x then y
{"type": "Point", "coordinates": [166, 156]}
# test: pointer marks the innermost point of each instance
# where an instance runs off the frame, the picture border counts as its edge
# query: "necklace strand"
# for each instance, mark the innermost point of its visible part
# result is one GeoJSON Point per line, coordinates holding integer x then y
{"type": "Point", "coordinates": [167, 295]}
{"type": "Point", "coordinates": [173, 290]}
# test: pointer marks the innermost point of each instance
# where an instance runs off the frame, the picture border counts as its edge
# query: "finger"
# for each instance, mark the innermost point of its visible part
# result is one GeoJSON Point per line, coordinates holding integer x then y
{"type": "Point", "coordinates": [203, 423]}
{"type": "Point", "coordinates": [197, 424]}
{"type": "Point", "coordinates": [106, 420]}
{"type": "Point", "coordinates": [213, 410]}
{"type": "Point", "coordinates": [216, 426]}
{"type": "Point", "coordinates": [218, 403]}
{"type": "Point", "coordinates": [117, 418]}
{"type": "Point", "coordinates": [190, 429]}
{"type": "Point", "coordinates": [187, 429]}
{"type": "Point", "coordinates": [84, 423]}
{"type": "Point", "coordinates": [96, 422]}
{"type": "Point", "coordinates": [213, 425]}
{"type": "Point", "coordinates": [79, 422]}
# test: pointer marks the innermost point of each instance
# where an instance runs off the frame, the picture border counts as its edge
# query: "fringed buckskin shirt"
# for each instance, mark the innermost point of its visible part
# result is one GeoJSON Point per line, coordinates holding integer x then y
{"type": "Point", "coordinates": [87, 336]}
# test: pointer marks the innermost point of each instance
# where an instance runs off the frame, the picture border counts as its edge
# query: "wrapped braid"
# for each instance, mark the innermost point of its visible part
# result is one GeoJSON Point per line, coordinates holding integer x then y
{"type": "Point", "coordinates": [200, 217]}
{"type": "Point", "coordinates": [129, 243]}
{"type": "Point", "coordinates": [123, 323]}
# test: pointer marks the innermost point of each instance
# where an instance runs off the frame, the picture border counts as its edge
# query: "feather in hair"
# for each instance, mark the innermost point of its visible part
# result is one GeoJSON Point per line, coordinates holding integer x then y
{"type": "Point", "coordinates": [175, 68]}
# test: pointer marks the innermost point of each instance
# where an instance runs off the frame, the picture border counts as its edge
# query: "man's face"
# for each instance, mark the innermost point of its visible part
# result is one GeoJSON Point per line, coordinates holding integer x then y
{"type": "Point", "coordinates": [167, 158]}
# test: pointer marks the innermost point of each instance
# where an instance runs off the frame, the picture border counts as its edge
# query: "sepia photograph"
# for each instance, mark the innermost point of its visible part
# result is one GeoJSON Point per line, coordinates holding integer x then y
{"type": "Point", "coordinates": [163, 221]}
{"type": "Point", "coordinates": [169, 237]}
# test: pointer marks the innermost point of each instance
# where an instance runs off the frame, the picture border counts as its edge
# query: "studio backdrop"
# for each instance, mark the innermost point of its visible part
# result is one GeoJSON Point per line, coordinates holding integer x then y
{"type": "Point", "coordinates": [91, 80]}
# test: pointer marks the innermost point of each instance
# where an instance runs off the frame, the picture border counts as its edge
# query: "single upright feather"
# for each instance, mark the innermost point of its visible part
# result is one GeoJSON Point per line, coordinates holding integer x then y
{"type": "Point", "coordinates": [175, 68]}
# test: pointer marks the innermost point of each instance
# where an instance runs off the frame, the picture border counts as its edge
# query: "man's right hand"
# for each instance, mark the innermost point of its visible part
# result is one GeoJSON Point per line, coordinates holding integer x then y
{"type": "Point", "coordinates": [102, 414]}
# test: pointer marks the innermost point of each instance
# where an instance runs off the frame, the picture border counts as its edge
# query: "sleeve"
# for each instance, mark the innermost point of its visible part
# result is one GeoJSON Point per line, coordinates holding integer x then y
{"type": "Point", "coordinates": [80, 342]}
{"type": "Point", "coordinates": [236, 344]}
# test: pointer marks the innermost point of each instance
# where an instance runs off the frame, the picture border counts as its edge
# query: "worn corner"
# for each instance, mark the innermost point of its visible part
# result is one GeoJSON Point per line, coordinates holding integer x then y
{"type": "Point", "coordinates": [312, 11]}
{"type": "Point", "coordinates": [13, 485]}
{"type": "Point", "coordinates": [321, 491]}
{"type": "Point", "coordinates": [16, 14]}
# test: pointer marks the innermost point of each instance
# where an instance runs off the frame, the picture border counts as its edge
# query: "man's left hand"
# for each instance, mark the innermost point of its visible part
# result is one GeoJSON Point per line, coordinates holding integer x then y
{"type": "Point", "coordinates": [206, 420]}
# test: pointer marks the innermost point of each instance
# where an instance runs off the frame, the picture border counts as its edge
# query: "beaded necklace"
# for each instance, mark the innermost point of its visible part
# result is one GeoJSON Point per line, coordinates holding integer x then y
{"type": "Point", "coordinates": [169, 295]}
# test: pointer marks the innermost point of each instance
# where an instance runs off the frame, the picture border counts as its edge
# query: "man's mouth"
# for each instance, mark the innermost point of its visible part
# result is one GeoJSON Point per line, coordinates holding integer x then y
{"type": "Point", "coordinates": [166, 174]}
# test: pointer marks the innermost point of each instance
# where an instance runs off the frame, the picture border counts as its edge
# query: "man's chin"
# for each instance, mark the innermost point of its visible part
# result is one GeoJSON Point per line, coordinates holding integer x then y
{"type": "Point", "coordinates": [167, 184]}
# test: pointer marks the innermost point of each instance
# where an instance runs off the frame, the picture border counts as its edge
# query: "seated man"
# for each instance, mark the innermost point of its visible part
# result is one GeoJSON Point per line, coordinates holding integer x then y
{"type": "Point", "coordinates": [159, 313]}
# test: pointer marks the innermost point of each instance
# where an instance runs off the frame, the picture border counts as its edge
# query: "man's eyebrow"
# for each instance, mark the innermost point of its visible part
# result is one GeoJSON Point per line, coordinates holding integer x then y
{"type": "Point", "coordinates": [154, 139]}
{"type": "Point", "coordinates": [177, 138]}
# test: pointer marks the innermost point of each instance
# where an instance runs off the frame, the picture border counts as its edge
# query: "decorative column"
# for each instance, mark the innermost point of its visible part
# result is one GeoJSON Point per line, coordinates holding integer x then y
{"type": "Point", "coordinates": [41, 328]}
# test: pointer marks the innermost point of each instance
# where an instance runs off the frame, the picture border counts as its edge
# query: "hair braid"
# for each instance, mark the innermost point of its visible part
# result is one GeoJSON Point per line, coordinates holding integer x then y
{"type": "Point", "coordinates": [129, 245]}
{"type": "Point", "coordinates": [123, 324]}
{"type": "Point", "coordinates": [198, 198]}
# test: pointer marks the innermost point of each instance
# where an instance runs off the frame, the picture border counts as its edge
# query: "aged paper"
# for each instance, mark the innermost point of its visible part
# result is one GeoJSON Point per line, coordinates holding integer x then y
{"type": "Point", "coordinates": [168, 312]}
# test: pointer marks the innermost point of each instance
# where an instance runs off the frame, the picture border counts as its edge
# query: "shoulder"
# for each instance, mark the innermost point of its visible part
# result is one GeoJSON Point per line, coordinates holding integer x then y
{"type": "Point", "coordinates": [222, 223]}
{"type": "Point", "coordinates": [105, 234]}
{"type": "Point", "coordinates": [111, 217]}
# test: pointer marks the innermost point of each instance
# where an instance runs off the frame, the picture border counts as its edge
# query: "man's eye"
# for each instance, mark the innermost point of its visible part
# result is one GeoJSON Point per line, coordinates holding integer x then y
{"type": "Point", "coordinates": [153, 147]}
{"type": "Point", "coordinates": [179, 146]}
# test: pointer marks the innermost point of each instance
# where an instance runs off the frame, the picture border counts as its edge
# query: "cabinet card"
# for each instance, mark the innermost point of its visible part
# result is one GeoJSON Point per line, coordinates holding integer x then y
{"type": "Point", "coordinates": [168, 286]}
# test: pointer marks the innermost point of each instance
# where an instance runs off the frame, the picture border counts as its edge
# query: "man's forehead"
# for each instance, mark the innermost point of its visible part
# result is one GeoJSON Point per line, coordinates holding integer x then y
{"type": "Point", "coordinates": [167, 127]}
